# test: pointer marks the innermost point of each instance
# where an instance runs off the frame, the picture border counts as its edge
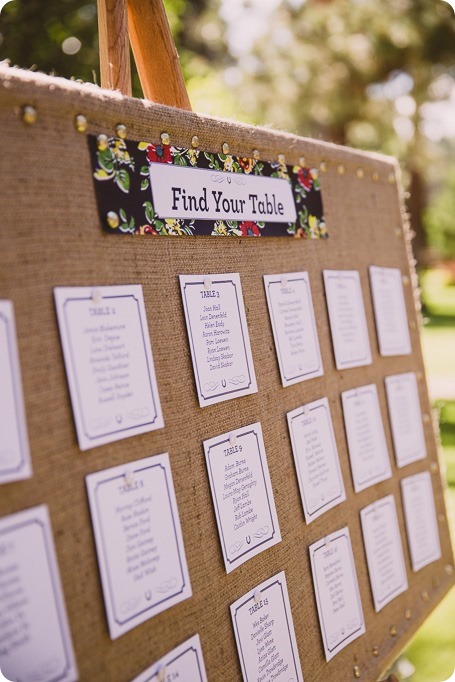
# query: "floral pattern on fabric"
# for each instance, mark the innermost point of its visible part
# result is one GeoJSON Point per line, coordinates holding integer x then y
{"type": "Point", "coordinates": [125, 201]}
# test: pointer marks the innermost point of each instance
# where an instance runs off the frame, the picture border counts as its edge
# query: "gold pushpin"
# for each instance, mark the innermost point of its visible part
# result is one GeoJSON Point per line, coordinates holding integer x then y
{"type": "Point", "coordinates": [29, 114]}
{"type": "Point", "coordinates": [80, 123]}
{"type": "Point", "coordinates": [120, 130]}
{"type": "Point", "coordinates": [113, 219]}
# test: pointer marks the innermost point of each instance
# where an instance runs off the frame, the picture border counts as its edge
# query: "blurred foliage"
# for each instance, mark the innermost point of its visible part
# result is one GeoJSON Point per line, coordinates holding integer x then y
{"type": "Point", "coordinates": [33, 35]}
{"type": "Point", "coordinates": [367, 73]}
{"type": "Point", "coordinates": [337, 69]}
{"type": "Point", "coordinates": [440, 218]}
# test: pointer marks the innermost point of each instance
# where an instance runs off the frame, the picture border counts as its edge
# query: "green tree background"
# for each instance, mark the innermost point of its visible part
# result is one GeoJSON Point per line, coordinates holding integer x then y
{"type": "Point", "coordinates": [373, 74]}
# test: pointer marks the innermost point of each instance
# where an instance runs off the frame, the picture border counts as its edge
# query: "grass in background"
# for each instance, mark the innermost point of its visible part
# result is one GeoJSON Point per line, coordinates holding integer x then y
{"type": "Point", "coordinates": [432, 650]}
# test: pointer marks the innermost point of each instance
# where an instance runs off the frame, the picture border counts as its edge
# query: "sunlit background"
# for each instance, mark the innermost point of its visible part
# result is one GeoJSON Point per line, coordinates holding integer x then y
{"type": "Point", "coordinates": [373, 74]}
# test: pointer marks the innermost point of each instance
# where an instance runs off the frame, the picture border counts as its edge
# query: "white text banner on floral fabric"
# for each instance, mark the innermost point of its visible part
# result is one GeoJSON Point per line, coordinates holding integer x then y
{"type": "Point", "coordinates": [180, 192]}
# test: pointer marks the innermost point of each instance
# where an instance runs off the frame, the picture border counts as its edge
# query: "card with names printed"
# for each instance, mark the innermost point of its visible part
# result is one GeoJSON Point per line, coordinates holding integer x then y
{"type": "Point", "coordinates": [405, 418]}
{"type": "Point", "coordinates": [185, 663]}
{"type": "Point", "coordinates": [316, 458]}
{"type": "Point", "coordinates": [420, 518]}
{"type": "Point", "coordinates": [138, 540]}
{"type": "Point", "coordinates": [348, 325]}
{"type": "Point", "coordinates": [218, 336]}
{"type": "Point", "coordinates": [15, 462]}
{"type": "Point", "coordinates": [109, 363]}
{"type": "Point", "coordinates": [264, 633]}
{"type": "Point", "coordinates": [382, 540]}
{"type": "Point", "coordinates": [390, 311]}
{"type": "Point", "coordinates": [337, 591]}
{"type": "Point", "coordinates": [367, 445]}
{"type": "Point", "coordinates": [242, 494]}
{"type": "Point", "coordinates": [294, 326]}
{"type": "Point", "coordinates": [35, 636]}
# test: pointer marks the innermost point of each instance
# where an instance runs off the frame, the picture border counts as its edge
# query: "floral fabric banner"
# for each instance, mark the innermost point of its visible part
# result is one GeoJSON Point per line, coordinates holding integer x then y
{"type": "Point", "coordinates": [125, 202]}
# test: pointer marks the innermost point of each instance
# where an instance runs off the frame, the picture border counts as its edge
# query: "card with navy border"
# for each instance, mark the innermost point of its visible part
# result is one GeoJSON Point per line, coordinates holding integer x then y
{"type": "Point", "coordinates": [109, 363]}
{"type": "Point", "coordinates": [293, 326]}
{"type": "Point", "coordinates": [390, 311]}
{"type": "Point", "coordinates": [348, 325]}
{"type": "Point", "coordinates": [139, 541]}
{"type": "Point", "coordinates": [218, 336]}
{"type": "Point", "coordinates": [405, 418]}
{"type": "Point", "coordinates": [316, 458]}
{"type": "Point", "coordinates": [184, 663]}
{"type": "Point", "coordinates": [264, 633]}
{"type": "Point", "coordinates": [15, 463]}
{"type": "Point", "coordinates": [242, 494]}
{"type": "Point", "coordinates": [382, 540]}
{"type": "Point", "coordinates": [367, 445]}
{"type": "Point", "coordinates": [420, 518]}
{"type": "Point", "coordinates": [337, 591]}
{"type": "Point", "coordinates": [35, 638]}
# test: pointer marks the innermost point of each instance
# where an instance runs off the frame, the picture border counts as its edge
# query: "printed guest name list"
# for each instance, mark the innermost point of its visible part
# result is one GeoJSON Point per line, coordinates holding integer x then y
{"type": "Point", "coordinates": [218, 335]}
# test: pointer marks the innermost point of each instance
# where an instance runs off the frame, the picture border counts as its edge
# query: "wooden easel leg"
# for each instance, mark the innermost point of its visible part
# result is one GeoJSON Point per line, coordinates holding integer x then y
{"type": "Point", "coordinates": [114, 44]}
{"type": "Point", "coordinates": [155, 54]}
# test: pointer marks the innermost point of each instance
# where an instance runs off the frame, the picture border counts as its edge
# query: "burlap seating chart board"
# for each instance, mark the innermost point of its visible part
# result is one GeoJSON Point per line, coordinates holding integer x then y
{"type": "Point", "coordinates": [51, 236]}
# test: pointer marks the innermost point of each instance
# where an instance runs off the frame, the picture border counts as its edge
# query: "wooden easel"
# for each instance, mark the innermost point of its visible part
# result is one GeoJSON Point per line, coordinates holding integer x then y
{"type": "Point", "coordinates": [145, 24]}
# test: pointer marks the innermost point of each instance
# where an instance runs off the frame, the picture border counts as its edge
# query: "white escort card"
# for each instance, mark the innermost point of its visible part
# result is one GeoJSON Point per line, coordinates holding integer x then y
{"type": "Point", "coordinates": [337, 591]}
{"type": "Point", "coordinates": [109, 363]}
{"type": "Point", "coordinates": [264, 633]}
{"type": "Point", "coordinates": [218, 335]}
{"type": "Point", "coordinates": [420, 518]}
{"type": "Point", "coordinates": [184, 663]}
{"type": "Point", "coordinates": [14, 448]}
{"type": "Point", "coordinates": [390, 311]}
{"type": "Point", "coordinates": [316, 458]}
{"type": "Point", "coordinates": [367, 445]}
{"type": "Point", "coordinates": [294, 327]}
{"type": "Point", "coordinates": [35, 641]}
{"type": "Point", "coordinates": [348, 325]}
{"type": "Point", "coordinates": [405, 418]}
{"type": "Point", "coordinates": [138, 541]}
{"type": "Point", "coordinates": [382, 539]}
{"type": "Point", "coordinates": [242, 494]}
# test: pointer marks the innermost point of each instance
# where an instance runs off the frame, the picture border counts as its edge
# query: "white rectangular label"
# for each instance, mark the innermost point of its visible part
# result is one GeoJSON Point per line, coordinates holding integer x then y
{"type": "Point", "coordinates": [218, 335]}
{"type": "Point", "coordinates": [348, 324]}
{"type": "Point", "coordinates": [180, 192]}
{"type": "Point", "coordinates": [390, 311]}
{"type": "Point", "coordinates": [381, 535]}
{"type": "Point", "coordinates": [294, 327]}
{"type": "Point", "coordinates": [420, 519]}
{"type": "Point", "coordinates": [35, 638]}
{"type": "Point", "coordinates": [242, 494]}
{"type": "Point", "coordinates": [316, 458]}
{"type": "Point", "coordinates": [337, 591]}
{"type": "Point", "coordinates": [109, 363]}
{"type": "Point", "coordinates": [405, 418]}
{"type": "Point", "coordinates": [14, 448]}
{"type": "Point", "coordinates": [264, 633]}
{"type": "Point", "coordinates": [138, 540]}
{"type": "Point", "coordinates": [366, 439]}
